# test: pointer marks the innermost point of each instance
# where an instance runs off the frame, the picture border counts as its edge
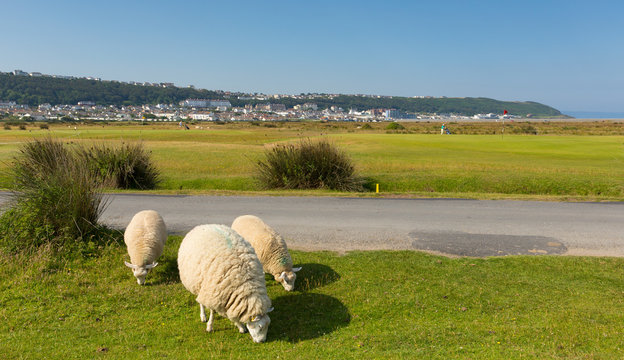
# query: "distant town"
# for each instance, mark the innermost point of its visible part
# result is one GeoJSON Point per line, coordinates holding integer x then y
{"type": "Point", "coordinates": [272, 108]}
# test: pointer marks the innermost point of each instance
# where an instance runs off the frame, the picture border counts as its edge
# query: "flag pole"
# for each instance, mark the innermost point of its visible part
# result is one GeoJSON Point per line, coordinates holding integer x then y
{"type": "Point", "coordinates": [503, 132]}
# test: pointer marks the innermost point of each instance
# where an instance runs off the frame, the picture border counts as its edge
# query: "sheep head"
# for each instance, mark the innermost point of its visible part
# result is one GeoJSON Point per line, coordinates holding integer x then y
{"type": "Point", "coordinates": [287, 279]}
{"type": "Point", "coordinates": [258, 327]}
{"type": "Point", "coordinates": [140, 272]}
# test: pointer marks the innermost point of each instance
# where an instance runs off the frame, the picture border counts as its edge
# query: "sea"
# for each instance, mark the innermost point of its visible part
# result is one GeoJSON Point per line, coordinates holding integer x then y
{"type": "Point", "coordinates": [594, 114]}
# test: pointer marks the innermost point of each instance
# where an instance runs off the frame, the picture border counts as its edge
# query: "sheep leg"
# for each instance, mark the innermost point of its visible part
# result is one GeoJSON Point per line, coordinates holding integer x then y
{"type": "Point", "coordinates": [209, 325]}
{"type": "Point", "coordinates": [241, 327]}
{"type": "Point", "coordinates": [202, 313]}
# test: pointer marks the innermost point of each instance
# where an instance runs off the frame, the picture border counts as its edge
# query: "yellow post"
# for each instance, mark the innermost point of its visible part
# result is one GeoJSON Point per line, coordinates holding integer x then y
{"type": "Point", "coordinates": [377, 191]}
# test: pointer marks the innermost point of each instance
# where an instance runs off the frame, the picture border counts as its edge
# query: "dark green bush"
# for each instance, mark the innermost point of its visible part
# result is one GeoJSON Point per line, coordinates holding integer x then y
{"type": "Point", "coordinates": [308, 165]}
{"type": "Point", "coordinates": [125, 166]}
{"type": "Point", "coordinates": [56, 200]}
{"type": "Point", "coordinates": [22, 127]}
{"type": "Point", "coordinates": [366, 127]}
{"type": "Point", "coordinates": [395, 126]}
{"type": "Point", "coordinates": [7, 127]}
{"type": "Point", "coordinates": [43, 126]}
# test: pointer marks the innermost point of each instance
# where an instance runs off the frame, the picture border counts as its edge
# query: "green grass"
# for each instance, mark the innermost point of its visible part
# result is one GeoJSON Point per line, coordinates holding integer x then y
{"type": "Point", "coordinates": [561, 165]}
{"type": "Point", "coordinates": [416, 162]}
{"type": "Point", "coordinates": [360, 305]}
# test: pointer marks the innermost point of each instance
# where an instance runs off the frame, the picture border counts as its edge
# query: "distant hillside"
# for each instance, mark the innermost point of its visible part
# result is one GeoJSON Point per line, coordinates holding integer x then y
{"type": "Point", "coordinates": [39, 90]}
{"type": "Point", "coordinates": [464, 106]}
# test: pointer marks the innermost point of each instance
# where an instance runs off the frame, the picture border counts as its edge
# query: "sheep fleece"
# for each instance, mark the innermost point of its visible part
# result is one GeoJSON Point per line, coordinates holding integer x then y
{"type": "Point", "coordinates": [145, 237]}
{"type": "Point", "coordinates": [223, 270]}
{"type": "Point", "coordinates": [269, 245]}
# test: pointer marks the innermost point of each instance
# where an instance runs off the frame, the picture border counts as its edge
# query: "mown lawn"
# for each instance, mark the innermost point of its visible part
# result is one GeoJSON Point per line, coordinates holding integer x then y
{"type": "Point", "coordinates": [222, 158]}
{"type": "Point", "coordinates": [359, 305]}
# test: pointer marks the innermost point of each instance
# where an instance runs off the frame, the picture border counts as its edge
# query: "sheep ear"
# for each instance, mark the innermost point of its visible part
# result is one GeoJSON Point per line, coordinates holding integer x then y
{"type": "Point", "coordinates": [296, 269]}
{"type": "Point", "coordinates": [254, 318]}
{"type": "Point", "coordinates": [131, 266]}
{"type": "Point", "coordinates": [151, 266]}
{"type": "Point", "coordinates": [270, 309]}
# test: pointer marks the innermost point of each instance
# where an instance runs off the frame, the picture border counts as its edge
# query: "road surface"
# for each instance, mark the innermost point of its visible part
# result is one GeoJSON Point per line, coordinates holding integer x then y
{"type": "Point", "coordinates": [449, 226]}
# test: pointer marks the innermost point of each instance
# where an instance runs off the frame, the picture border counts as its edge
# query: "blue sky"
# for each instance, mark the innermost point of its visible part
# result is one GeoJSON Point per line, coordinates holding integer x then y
{"type": "Point", "coordinates": [566, 54]}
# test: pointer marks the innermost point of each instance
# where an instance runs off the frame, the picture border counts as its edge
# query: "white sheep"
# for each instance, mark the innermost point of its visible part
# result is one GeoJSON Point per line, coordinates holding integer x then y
{"type": "Point", "coordinates": [145, 238]}
{"type": "Point", "coordinates": [270, 247]}
{"type": "Point", "coordinates": [222, 269]}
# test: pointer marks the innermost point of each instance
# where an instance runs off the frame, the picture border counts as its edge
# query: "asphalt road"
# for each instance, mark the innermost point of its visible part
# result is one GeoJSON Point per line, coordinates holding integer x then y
{"type": "Point", "coordinates": [449, 226]}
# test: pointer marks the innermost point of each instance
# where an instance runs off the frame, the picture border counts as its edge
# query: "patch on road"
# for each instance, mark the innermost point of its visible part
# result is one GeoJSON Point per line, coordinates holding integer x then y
{"type": "Point", "coordinates": [481, 245]}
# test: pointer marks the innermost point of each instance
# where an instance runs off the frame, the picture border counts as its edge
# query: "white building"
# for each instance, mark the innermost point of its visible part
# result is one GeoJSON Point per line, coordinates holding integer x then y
{"type": "Point", "coordinates": [485, 116]}
{"type": "Point", "coordinates": [202, 117]}
{"type": "Point", "coordinates": [205, 103]}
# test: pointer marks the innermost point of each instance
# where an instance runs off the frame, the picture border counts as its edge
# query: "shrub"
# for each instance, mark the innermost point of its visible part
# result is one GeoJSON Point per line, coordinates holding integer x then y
{"type": "Point", "coordinates": [126, 166]}
{"type": "Point", "coordinates": [395, 126]}
{"type": "Point", "coordinates": [43, 126]}
{"type": "Point", "coordinates": [22, 127]}
{"type": "Point", "coordinates": [525, 129]}
{"type": "Point", "coordinates": [308, 165]}
{"type": "Point", "coordinates": [366, 127]}
{"type": "Point", "coordinates": [7, 127]}
{"type": "Point", "coordinates": [56, 200]}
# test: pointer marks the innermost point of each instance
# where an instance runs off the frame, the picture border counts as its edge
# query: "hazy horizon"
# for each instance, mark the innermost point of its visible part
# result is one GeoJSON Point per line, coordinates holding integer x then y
{"type": "Point", "coordinates": [564, 54]}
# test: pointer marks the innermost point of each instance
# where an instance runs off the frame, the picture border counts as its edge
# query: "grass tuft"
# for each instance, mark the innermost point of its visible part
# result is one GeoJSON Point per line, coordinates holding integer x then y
{"type": "Point", "coordinates": [56, 200]}
{"type": "Point", "coordinates": [308, 165]}
{"type": "Point", "coordinates": [395, 126]}
{"type": "Point", "coordinates": [125, 166]}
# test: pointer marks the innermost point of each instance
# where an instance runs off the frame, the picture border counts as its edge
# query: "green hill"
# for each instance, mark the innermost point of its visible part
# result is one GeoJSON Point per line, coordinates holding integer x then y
{"type": "Point", "coordinates": [39, 90]}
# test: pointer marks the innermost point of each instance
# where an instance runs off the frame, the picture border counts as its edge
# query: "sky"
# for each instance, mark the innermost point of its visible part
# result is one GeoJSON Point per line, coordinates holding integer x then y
{"type": "Point", "coordinates": [567, 54]}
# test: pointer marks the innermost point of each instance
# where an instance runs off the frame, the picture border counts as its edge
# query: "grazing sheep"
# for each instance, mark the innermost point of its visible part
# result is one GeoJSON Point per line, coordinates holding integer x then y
{"type": "Point", "coordinates": [145, 238]}
{"type": "Point", "coordinates": [222, 269]}
{"type": "Point", "coordinates": [270, 247]}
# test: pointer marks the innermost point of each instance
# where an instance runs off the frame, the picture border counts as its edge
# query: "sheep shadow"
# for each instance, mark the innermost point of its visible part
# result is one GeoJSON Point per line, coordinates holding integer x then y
{"type": "Point", "coordinates": [306, 316]}
{"type": "Point", "coordinates": [166, 271]}
{"type": "Point", "coordinates": [312, 276]}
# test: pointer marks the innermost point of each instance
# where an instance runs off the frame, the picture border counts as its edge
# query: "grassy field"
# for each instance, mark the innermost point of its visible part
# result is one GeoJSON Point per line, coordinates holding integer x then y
{"type": "Point", "coordinates": [361, 305]}
{"type": "Point", "coordinates": [413, 162]}
{"type": "Point", "coordinates": [377, 304]}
